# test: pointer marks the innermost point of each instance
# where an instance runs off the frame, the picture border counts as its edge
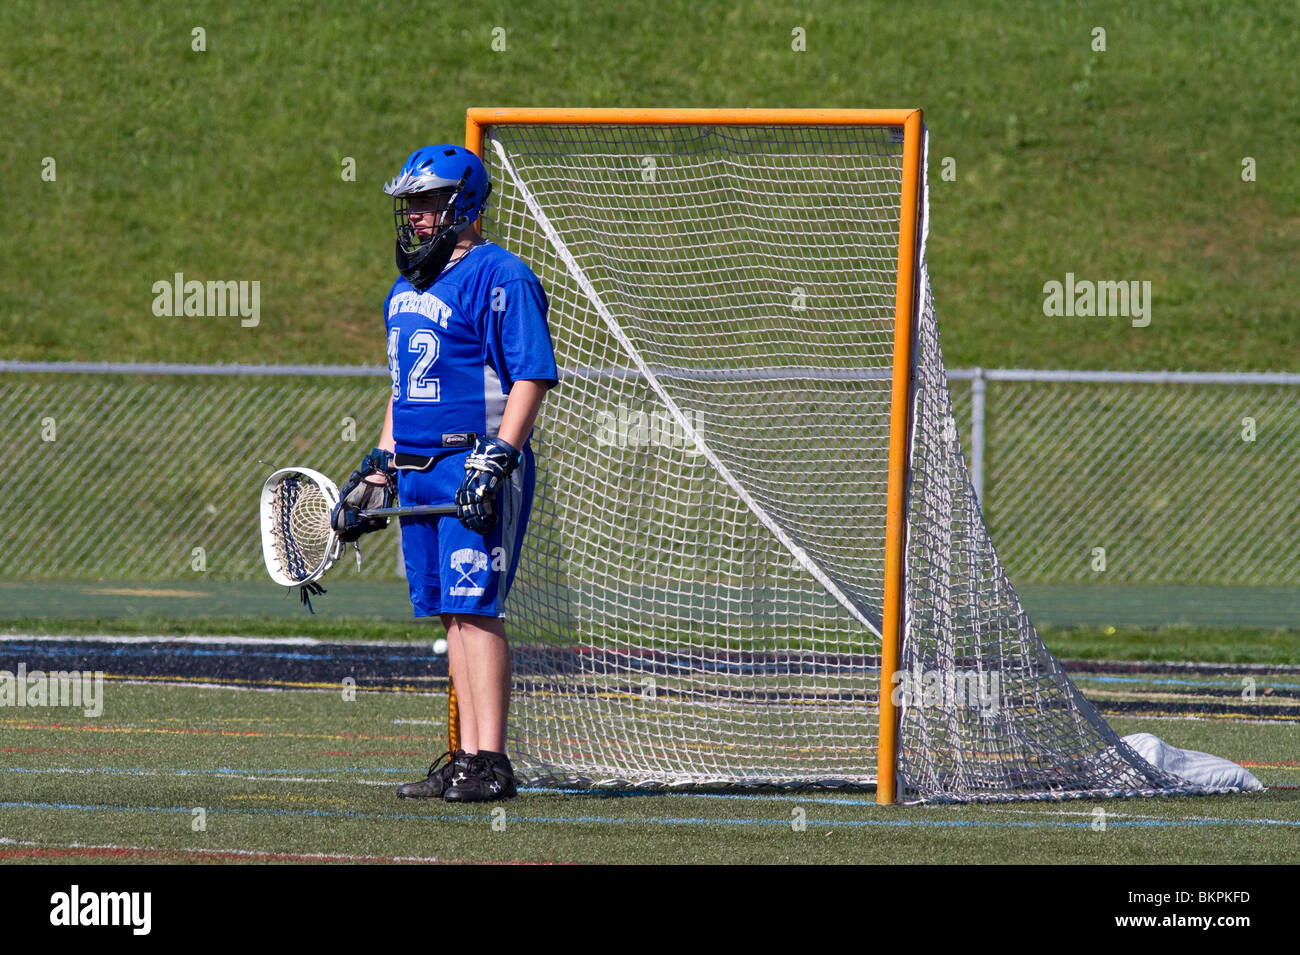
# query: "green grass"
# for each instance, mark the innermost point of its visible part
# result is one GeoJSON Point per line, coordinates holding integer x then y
{"type": "Point", "coordinates": [308, 772]}
{"type": "Point", "coordinates": [1175, 643]}
{"type": "Point", "coordinates": [226, 164]}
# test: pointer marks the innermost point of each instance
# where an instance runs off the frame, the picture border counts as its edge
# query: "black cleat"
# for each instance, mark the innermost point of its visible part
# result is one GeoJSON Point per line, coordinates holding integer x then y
{"type": "Point", "coordinates": [488, 777]}
{"type": "Point", "coordinates": [439, 779]}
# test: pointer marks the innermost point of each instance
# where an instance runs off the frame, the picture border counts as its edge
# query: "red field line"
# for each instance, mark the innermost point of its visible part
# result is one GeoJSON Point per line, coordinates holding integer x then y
{"type": "Point", "coordinates": [200, 731]}
{"type": "Point", "coordinates": [198, 855]}
{"type": "Point", "coordinates": [373, 752]}
{"type": "Point", "coordinates": [80, 749]}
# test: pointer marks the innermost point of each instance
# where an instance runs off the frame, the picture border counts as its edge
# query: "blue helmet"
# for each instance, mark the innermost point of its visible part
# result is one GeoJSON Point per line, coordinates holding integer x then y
{"type": "Point", "coordinates": [451, 169]}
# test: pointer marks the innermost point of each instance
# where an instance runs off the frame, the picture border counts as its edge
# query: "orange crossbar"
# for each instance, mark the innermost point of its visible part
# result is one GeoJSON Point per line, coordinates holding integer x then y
{"type": "Point", "coordinates": [516, 115]}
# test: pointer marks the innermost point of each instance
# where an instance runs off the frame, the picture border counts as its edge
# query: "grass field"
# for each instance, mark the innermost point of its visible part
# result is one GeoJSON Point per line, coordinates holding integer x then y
{"type": "Point", "coordinates": [298, 776]}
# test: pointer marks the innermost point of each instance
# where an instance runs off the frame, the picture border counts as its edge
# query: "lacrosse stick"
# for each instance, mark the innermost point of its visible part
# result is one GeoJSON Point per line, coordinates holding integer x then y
{"type": "Point", "coordinates": [298, 542]}
{"type": "Point", "coordinates": [415, 510]}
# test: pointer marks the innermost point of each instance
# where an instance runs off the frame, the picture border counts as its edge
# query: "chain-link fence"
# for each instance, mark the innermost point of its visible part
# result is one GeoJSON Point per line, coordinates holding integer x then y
{"type": "Point", "coordinates": [1150, 477]}
{"type": "Point", "coordinates": [151, 472]}
{"type": "Point", "coordinates": [154, 472]}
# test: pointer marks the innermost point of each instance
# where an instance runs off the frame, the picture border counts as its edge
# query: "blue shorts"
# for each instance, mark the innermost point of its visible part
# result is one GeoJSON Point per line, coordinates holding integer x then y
{"type": "Point", "coordinates": [450, 568]}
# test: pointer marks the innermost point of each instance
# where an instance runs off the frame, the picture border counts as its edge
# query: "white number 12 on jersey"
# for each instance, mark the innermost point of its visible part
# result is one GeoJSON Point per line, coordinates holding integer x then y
{"type": "Point", "coordinates": [419, 386]}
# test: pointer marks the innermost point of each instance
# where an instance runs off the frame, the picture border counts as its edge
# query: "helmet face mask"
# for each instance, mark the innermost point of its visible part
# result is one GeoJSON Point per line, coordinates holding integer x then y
{"type": "Point", "coordinates": [405, 207]}
{"type": "Point", "coordinates": [452, 172]}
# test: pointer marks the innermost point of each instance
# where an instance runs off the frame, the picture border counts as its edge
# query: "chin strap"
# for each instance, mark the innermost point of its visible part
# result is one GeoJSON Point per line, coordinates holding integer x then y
{"type": "Point", "coordinates": [422, 270]}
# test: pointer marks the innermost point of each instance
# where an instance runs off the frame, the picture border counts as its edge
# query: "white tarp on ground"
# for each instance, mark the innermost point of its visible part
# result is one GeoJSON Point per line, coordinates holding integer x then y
{"type": "Point", "coordinates": [1199, 768]}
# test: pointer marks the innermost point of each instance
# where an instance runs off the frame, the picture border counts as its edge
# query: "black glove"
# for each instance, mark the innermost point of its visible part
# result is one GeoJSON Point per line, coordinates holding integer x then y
{"type": "Point", "coordinates": [362, 495]}
{"type": "Point", "coordinates": [487, 467]}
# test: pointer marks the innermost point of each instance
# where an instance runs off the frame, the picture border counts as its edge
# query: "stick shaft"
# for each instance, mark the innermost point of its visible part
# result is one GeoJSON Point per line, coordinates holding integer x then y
{"type": "Point", "coordinates": [418, 510]}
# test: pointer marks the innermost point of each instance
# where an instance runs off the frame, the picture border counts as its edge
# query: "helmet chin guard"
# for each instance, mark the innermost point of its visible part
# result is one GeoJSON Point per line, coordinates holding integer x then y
{"type": "Point", "coordinates": [423, 266]}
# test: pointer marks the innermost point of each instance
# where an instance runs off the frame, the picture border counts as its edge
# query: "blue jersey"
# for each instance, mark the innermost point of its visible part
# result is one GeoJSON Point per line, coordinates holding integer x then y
{"type": "Point", "coordinates": [456, 349]}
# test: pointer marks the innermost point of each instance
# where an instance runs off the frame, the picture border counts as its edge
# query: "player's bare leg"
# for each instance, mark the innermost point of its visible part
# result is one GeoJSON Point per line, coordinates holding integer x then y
{"type": "Point", "coordinates": [443, 772]}
{"type": "Point", "coordinates": [489, 775]}
{"type": "Point", "coordinates": [487, 655]}
{"type": "Point", "coordinates": [458, 666]}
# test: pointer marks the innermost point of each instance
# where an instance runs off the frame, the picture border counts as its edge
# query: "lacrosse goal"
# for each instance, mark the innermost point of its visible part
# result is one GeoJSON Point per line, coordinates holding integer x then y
{"type": "Point", "coordinates": [755, 555]}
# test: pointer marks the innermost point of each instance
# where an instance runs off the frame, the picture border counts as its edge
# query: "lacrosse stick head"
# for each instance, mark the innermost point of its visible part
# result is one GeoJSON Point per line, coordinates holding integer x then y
{"type": "Point", "coordinates": [298, 541]}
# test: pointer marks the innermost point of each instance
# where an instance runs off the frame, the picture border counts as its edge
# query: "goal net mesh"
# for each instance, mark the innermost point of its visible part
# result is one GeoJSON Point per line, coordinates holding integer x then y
{"type": "Point", "coordinates": [699, 596]}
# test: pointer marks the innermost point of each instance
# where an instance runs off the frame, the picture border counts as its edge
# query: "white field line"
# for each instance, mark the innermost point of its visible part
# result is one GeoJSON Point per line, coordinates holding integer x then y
{"type": "Point", "coordinates": [208, 685]}
{"type": "Point", "coordinates": [185, 773]}
{"type": "Point", "coordinates": [202, 639]}
{"type": "Point", "coordinates": [208, 851]}
{"type": "Point", "coordinates": [1209, 718]}
{"type": "Point", "coordinates": [1111, 814]}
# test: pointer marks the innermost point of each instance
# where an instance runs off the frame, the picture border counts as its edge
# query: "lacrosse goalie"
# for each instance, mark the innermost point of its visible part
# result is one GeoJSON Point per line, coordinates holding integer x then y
{"type": "Point", "coordinates": [471, 359]}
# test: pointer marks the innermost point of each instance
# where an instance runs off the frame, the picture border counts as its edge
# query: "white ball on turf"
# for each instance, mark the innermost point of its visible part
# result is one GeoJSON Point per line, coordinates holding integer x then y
{"type": "Point", "coordinates": [440, 646]}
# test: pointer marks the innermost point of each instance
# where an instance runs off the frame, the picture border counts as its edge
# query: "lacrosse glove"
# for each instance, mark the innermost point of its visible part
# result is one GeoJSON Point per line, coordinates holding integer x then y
{"type": "Point", "coordinates": [361, 495]}
{"type": "Point", "coordinates": [486, 469]}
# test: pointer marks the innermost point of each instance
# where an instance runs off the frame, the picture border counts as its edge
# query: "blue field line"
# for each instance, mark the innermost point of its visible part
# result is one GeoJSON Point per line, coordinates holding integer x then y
{"type": "Point", "coordinates": [131, 651]}
{"type": "Point", "coordinates": [336, 771]}
{"type": "Point", "coordinates": [181, 771]}
{"type": "Point", "coordinates": [326, 774]}
{"type": "Point", "coordinates": [415, 652]}
{"type": "Point", "coordinates": [333, 774]}
{"type": "Point", "coordinates": [677, 821]}
{"type": "Point", "coordinates": [747, 797]}
{"type": "Point", "coordinates": [418, 653]}
{"type": "Point", "coordinates": [172, 771]}
{"type": "Point", "coordinates": [1086, 678]}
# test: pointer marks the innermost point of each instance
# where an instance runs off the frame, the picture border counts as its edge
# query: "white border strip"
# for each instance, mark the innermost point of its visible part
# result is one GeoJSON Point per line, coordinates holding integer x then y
{"type": "Point", "coordinates": [207, 640]}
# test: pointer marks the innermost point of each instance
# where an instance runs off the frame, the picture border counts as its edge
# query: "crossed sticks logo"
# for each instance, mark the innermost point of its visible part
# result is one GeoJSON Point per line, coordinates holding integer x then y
{"type": "Point", "coordinates": [466, 563]}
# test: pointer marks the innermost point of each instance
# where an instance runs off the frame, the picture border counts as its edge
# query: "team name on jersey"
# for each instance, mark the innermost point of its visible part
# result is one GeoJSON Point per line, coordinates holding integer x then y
{"type": "Point", "coordinates": [426, 304]}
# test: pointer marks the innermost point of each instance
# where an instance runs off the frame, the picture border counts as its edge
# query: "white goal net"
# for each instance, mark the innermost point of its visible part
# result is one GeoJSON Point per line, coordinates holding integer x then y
{"type": "Point", "coordinates": [700, 594]}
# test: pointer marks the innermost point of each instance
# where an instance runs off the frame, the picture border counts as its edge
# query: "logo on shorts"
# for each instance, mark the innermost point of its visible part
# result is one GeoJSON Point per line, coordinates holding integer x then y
{"type": "Point", "coordinates": [467, 562]}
